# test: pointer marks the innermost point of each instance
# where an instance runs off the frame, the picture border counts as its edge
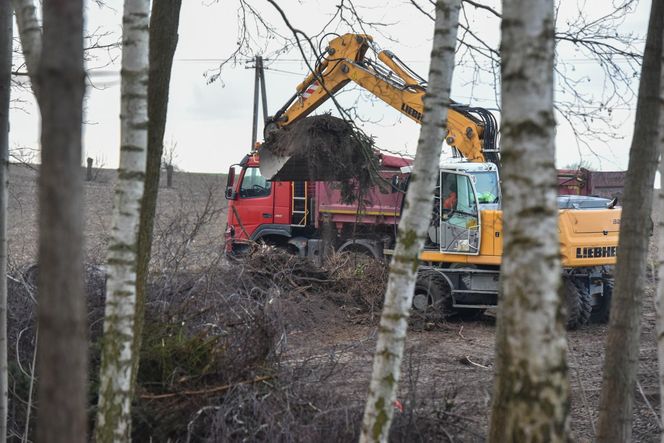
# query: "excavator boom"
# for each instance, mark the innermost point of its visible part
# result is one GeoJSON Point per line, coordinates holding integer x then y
{"type": "Point", "coordinates": [471, 131]}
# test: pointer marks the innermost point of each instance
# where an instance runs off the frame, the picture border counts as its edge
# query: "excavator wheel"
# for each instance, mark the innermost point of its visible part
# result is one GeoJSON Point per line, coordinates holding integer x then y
{"type": "Point", "coordinates": [602, 311]}
{"type": "Point", "coordinates": [432, 294]}
{"type": "Point", "coordinates": [578, 303]}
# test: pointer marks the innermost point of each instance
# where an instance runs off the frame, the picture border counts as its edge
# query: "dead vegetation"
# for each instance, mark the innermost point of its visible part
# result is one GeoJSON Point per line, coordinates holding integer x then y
{"type": "Point", "coordinates": [272, 348]}
{"type": "Point", "coordinates": [215, 360]}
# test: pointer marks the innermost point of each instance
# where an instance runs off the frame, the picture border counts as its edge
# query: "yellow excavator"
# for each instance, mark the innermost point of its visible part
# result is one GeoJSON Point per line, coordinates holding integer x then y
{"type": "Point", "coordinates": [461, 260]}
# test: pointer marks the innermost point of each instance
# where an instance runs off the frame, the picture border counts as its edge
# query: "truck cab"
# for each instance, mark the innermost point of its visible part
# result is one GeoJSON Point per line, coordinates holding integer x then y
{"type": "Point", "coordinates": [257, 207]}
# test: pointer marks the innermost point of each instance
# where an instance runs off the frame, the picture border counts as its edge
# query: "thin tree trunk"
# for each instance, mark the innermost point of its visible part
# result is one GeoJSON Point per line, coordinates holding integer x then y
{"type": "Point", "coordinates": [412, 229]}
{"type": "Point", "coordinates": [6, 30]}
{"type": "Point", "coordinates": [658, 210]}
{"type": "Point", "coordinates": [530, 400]}
{"type": "Point", "coordinates": [114, 409]}
{"type": "Point", "coordinates": [658, 207]}
{"type": "Point", "coordinates": [30, 33]}
{"type": "Point", "coordinates": [164, 20]}
{"type": "Point", "coordinates": [622, 351]}
{"type": "Point", "coordinates": [62, 352]}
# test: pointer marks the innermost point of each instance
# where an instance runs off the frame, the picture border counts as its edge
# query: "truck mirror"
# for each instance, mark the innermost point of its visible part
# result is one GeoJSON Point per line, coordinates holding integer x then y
{"type": "Point", "coordinates": [230, 193]}
{"type": "Point", "coordinates": [395, 183]}
{"type": "Point", "coordinates": [230, 180]}
{"type": "Point", "coordinates": [230, 183]}
{"type": "Point", "coordinates": [398, 183]}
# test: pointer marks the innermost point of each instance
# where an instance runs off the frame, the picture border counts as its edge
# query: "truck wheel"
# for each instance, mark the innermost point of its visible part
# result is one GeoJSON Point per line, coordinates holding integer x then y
{"type": "Point", "coordinates": [578, 304]}
{"type": "Point", "coordinates": [432, 294]}
{"type": "Point", "coordinates": [602, 311]}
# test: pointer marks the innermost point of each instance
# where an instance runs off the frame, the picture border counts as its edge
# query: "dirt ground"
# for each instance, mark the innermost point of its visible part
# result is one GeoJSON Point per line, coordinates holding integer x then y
{"type": "Point", "coordinates": [453, 361]}
{"type": "Point", "coordinates": [457, 360]}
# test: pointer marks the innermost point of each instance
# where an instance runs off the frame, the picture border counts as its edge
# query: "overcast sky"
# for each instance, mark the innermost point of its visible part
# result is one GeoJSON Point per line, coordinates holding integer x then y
{"type": "Point", "coordinates": [211, 123]}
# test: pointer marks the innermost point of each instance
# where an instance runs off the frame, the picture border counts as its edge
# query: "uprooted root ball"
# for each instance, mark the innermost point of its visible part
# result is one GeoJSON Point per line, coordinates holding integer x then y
{"type": "Point", "coordinates": [322, 147]}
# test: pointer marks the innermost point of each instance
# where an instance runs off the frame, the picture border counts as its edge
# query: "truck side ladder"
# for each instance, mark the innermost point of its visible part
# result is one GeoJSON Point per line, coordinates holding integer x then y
{"type": "Point", "coordinates": [299, 206]}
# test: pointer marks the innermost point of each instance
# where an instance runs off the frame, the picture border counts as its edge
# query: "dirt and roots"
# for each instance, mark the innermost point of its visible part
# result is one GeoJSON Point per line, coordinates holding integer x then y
{"type": "Point", "coordinates": [272, 348]}
{"type": "Point", "coordinates": [322, 147]}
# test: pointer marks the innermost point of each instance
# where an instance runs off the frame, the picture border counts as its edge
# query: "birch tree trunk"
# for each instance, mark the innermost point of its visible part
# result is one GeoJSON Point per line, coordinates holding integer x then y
{"type": "Point", "coordinates": [164, 21]}
{"type": "Point", "coordinates": [658, 207]}
{"type": "Point", "coordinates": [30, 33]}
{"type": "Point", "coordinates": [62, 351]}
{"type": "Point", "coordinates": [114, 409]}
{"type": "Point", "coordinates": [622, 350]}
{"type": "Point", "coordinates": [6, 30]}
{"type": "Point", "coordinates": [412, 229]}
{"type": "Point", "coordinates": [530, 392]}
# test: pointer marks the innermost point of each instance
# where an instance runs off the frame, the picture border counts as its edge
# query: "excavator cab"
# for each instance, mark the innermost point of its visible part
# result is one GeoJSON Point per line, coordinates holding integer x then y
{"type": "Point", "coordinates": [460, 216]}
{"type": "Point", "coordinates": [455, 226]}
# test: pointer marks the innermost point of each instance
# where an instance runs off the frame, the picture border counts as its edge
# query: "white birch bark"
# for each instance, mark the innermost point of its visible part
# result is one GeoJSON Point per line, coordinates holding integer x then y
{"type": "Point", "coordinates": [412, 229]}
{"type": "Point", "coordinates": [5, 88]}
{"type": "Point", "coordinates": [113, 418]}
{"type": "Point", "coordinates": [530, 400]}
{"type": "Point", "coordinates": [30, 33]}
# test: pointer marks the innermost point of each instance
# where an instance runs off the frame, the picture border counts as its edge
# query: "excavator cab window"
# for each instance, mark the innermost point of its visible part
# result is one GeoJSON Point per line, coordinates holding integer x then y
{"type": "Point", "coordinates": [486, 184]}
{"type": "Point", "coordinates": [254, 184]}
{"type": "Point", "coordinates": [460, 215]}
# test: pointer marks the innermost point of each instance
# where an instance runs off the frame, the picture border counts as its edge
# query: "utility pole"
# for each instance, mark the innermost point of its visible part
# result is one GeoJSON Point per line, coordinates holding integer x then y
{"type": "Point", "coordinates": [259, 85]}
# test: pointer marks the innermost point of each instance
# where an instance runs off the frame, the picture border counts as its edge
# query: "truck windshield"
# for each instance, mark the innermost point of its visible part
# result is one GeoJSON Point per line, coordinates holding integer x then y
{"type": "Point", "coordinates": [254, 184]}
{"type": "Point", "coordinates": [486, 184]}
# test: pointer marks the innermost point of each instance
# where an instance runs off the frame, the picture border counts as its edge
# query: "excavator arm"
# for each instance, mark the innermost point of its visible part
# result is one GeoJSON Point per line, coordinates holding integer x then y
{"type": "Point", "coordinates": [471, 131]}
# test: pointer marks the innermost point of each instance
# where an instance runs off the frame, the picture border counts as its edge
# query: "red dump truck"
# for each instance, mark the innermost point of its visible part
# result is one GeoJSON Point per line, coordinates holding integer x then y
{"type": "Point", "coordinates": [607, 184]}
{"type": "Point", "coordinates": [292, 214]}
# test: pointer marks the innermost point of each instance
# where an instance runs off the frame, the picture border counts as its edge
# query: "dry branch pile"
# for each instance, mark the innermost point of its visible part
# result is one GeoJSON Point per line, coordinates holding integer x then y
{"type": "Point", "coordinates": [212, 365]}
{"type": "Point", "coordinates": [213, 338]}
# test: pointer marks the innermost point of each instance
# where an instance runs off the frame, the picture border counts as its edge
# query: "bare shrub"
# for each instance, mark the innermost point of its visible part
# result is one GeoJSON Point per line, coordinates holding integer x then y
{"type": "Point", "coordinates": [23, 338]}
{"type": "Point", "coordinates": [304, 404]}
{"type": "Point", "coordinates": [184, 236]}
{"type": "Point", "coordinates": [360, 283]}
{"type": "Point", "coordinates": [197, 342]}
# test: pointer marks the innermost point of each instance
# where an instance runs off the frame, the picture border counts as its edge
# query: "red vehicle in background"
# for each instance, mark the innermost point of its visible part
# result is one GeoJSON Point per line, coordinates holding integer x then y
{"type": "Point", "coordinates": [607, 184]}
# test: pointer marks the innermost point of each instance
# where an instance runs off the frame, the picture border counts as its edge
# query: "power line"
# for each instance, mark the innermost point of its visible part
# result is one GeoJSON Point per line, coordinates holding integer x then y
{"type": "Point", "coordinates": [299, 60]}
{"type": "Point", "coordinates": [299, 74]}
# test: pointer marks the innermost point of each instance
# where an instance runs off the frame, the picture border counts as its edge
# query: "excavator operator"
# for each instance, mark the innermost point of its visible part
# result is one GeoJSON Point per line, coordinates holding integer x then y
{"type": "Point", "coordinates": [451, 200]}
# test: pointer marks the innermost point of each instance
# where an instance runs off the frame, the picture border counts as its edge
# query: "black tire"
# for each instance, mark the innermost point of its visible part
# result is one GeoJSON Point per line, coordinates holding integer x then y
{"type": "Point", "coordinates": [602, 311]}
{"type": "Point", "coordinates": [432, 294]}
{"type": "Point", "coordinates": [578, 304]}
